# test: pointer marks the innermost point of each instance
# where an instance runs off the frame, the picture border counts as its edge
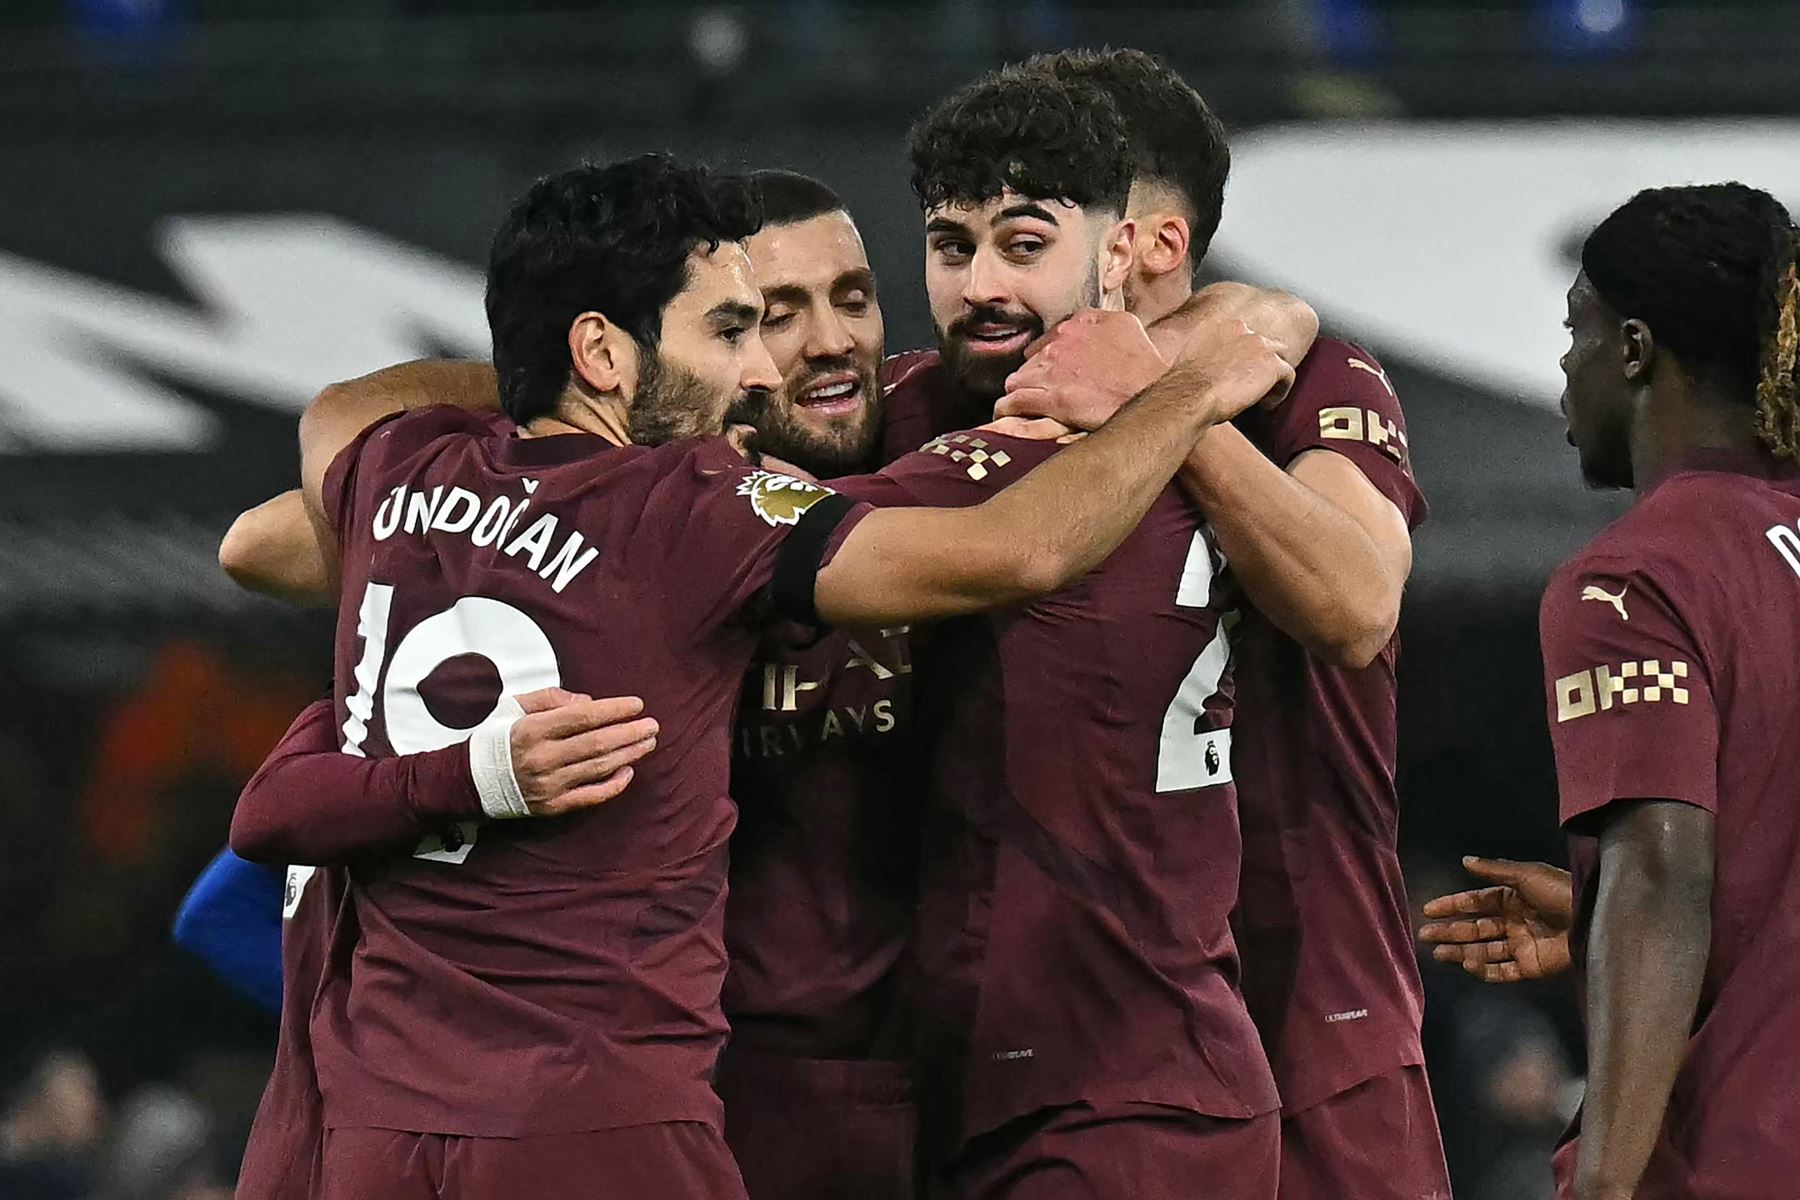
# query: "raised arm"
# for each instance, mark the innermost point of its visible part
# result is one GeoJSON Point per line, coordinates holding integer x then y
{"type": "Point", "coordinates": [283, 547]}
{"type": "Point", "coordinates": [1317, 547]}
{"type": "Point", "coordinates": [1068, 514]}
{"type": "Point", "coordinates": [310, 803]}
{"type": "Point", "coordinates": [1646, 956]}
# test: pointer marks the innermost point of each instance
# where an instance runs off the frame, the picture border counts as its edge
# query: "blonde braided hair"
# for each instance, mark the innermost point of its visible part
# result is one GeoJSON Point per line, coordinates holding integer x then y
{"type": "Point", "coordinates": [1778, 384]}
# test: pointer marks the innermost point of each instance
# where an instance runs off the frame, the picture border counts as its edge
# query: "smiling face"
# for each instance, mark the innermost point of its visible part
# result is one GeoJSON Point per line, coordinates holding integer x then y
{"type": "Point", "coordinates": [822, 325]}
{"type": "Point", "coordinates": [1001, 272]}
{"type": "Point", "coordinates": [1597, 393]}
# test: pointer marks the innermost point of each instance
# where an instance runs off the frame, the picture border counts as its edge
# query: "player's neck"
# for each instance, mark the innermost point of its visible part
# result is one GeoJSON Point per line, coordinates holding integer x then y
{"type": "Point", "coordinates": [1150, 300]}
{"type": "Point", "coordinates": [576, 412]}
{"type": "Point", "coordinates": [1671, 427]}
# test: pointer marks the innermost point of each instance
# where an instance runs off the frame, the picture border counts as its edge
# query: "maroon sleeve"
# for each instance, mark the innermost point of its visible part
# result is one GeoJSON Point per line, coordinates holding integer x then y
{"type": "Point", "coordinates": [1342, 401]}
{"type": "Point", "coordinates": [311, 804]}
{"type": "Point", "coordinates": [951, 471]}
{"type": "Point", "coordinates": [724, 532]}
{"type": "Point", "coordinates": [1630, 700]}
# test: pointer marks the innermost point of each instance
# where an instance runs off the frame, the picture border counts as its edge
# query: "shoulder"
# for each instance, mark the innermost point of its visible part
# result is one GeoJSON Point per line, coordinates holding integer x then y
{"type": "Point", "coordinates": [909, 369]}
{"type": "Point", "coordinates": [1636, 572]}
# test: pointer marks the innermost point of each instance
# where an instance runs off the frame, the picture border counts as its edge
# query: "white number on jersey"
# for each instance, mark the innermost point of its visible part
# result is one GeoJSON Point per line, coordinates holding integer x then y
{"type": "Point", "coordinates": [492, 629]}
{"type": "Point", "coordinates": [1188, 756]}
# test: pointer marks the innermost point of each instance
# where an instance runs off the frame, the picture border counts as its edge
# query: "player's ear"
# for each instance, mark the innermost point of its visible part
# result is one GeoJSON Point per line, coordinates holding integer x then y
{"type": "Point", "coordinates": [1162, 244]}
{"type": "Point", "coordinates": [603, 356]}
{"type": "Point", "coordinates": [1638, 350]}
{"type": "Point", "coordinates": [1116, 256]}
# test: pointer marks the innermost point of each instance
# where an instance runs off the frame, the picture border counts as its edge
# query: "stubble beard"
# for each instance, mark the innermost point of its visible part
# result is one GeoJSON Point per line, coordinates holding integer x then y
{"type": "Point", "coordinates": [672, 403]}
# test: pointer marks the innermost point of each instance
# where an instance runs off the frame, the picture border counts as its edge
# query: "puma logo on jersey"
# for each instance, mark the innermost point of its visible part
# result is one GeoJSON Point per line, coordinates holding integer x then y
{"type": "Point", "coordinates": [1360, 365]}
{"type": "Point", "coordinates": [1596, 592]}
{"type": "Point", "coordinates": [780, 499]}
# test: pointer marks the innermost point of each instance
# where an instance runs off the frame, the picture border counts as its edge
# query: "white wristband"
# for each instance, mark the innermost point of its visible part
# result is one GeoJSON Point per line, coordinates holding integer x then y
{"type": "Point", "coordinates": [490, 762]}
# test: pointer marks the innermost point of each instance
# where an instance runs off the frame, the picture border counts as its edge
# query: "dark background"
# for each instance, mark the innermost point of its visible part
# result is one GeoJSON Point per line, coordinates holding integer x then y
{"type": "Point", "coordinates": [138, 689]}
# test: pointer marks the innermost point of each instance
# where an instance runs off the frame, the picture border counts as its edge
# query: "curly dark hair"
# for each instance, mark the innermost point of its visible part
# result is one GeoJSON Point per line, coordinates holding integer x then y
{"type": "Point", "coordinates": [1177, 139]}
{"type": "Point", "coordinates": [1712, 271]}
{"type": "Point", "coordinates": [1042, 137]}
{"type": "Point", "coordinates": [611, 239]}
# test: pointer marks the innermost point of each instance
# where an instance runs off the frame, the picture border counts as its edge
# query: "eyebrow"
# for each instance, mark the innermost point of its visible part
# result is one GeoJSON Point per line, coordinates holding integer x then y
{"type": "Point", "coordinates": [728, 311]}
{"type": "Point", "coordinates": [1029, 209]}
{"type": "Point", "coordinates": [945, 225]}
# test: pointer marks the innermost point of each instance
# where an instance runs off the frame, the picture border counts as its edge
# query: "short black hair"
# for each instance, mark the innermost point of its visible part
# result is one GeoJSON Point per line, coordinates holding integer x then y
{"type": "Point", "coordinates": [789, 197]}
{"type": "Point", "coordinates": [1042, 137]}
{"type": "Point", "coordinates": [1176, 137]}
{"type": "Point", "coordinates": [1711, 270]}
{"type": "Point", "coordinates": [612, 239]}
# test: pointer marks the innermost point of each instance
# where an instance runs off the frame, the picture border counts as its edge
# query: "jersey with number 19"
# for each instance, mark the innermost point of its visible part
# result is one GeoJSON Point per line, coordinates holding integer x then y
{"type": "Point", "coordinates": [1081, 859]}
{"type": "Point", "coordinates": [544, 977]}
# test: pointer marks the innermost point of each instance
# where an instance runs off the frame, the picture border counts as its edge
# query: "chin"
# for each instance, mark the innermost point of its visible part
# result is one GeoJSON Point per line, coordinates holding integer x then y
{"type": "Point", "coordinates": [1606, 476]}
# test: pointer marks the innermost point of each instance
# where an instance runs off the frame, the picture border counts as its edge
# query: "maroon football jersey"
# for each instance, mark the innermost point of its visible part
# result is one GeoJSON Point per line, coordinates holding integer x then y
{"type": "Point", "coordinates": [1671, 670]}
{"type": "Point", "coordinates": [281, 1159]}
{"type": "Point", "coordinates": [540, 977]}
{"type": "Point", "coordinates": [1324, 925]}
{"type": "Point", "coordinates": [824, 861]}
{"type": "Point", "coordinates": [919, 403]}
{"type": "Point", "coordinates": [1082, 858]}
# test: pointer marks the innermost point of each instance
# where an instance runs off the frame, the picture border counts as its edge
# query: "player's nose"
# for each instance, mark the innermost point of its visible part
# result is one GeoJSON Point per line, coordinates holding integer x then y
{"type": "Point", "coordinates": [984, 283]}
{"type": "Point", "coordinates": [830, 336]}
{"type": "Point", "coordinates": [759, 373]}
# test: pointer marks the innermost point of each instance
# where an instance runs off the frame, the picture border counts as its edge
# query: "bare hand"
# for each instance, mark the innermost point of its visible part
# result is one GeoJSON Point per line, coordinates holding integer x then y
{"type": "Point", "coordinates": [1084, 371]}
{"type": "Point", "coordinates": [1518, 930]}
{"type": "Point", "coordinates": [1285, 319]}
{"type": "Point", "coordinates": [1034, 429]}
{"type": "Point", "coordinates": [571, 752]}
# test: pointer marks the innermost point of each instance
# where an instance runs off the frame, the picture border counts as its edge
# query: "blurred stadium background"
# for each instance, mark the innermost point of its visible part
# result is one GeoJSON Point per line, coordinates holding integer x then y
{"type": "Point", "coordinates": [211, 208]}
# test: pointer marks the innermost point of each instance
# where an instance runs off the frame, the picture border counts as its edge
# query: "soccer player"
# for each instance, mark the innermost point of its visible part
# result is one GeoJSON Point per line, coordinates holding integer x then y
{"type": "Point", "coordinates": [1311, 504]}
{"type": "Point", "coordinates": [1671, 669]}
{"type": "Point", "coordinates": [821, 880]}
{"type": "Point", "coordinates": [570, 1031]}
{"type": "Point", "coordinates": [1081, 1029]}
{"type": "Point", "coordinates": [824, 770]}
{"type": "Point", "coordinates": [815, 1092]}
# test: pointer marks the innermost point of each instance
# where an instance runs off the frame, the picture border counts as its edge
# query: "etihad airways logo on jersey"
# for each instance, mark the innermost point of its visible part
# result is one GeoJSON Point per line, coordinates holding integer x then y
{"type": "Point", "coordinates": [780, 499]}
{"type": "Point", "coordinates": [1631, 682]}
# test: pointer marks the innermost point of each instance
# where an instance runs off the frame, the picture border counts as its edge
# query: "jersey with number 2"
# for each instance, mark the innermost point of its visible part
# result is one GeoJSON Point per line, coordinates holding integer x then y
{"type": "Point", "coordinates": [1082, 853]}
{"type": "Point", "coordinates": [535, 977]}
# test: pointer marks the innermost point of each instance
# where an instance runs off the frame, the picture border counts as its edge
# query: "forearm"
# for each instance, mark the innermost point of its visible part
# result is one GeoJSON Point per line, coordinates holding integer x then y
{"type": "Point", "coordinates": [1307, 564]}
{"type": "Point", "coordinates": [343, 410]}
{"type": "Point", "coordinates": [1034, 537]}
{"type": "Point", "coordinates": [276, 549]}
{"type": "Point", "coordinates": [1285, 319]}
{"type": "Point", "coordinates": [311, 804]}
{"type": "Point", "coordinates": [1647, 951]}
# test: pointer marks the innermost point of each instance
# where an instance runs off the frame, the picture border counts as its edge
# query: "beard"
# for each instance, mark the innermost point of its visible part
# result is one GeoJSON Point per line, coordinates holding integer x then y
{"type": "Point", "coordinates": [672, 403]}
{"type": "Point", "coordinates": [981, 378]}
{"type": "Point", "coordinates": [842, 446]}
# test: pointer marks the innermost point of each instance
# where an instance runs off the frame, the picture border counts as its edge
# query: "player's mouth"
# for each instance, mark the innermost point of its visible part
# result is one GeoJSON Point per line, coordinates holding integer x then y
{"type": "Point", "coordinates": [998, 337]}
{"type": "Point", "coordinates": [833, 395]}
